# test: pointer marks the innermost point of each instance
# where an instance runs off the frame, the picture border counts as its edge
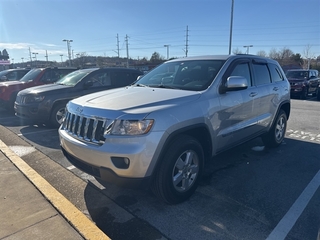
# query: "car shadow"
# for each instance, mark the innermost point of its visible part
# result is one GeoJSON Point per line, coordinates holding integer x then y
{"type": "Point", "coordinates": [244, 184]}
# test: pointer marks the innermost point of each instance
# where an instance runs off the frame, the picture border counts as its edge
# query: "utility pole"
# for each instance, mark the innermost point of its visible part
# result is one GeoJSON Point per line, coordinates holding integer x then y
{"type": "Point", "coordinates": [118, 51]}
{"type": "Point", "coordinates": [127, 50]}
{"type": "Point", "coordinates": [187, 42]}
{"type": "Point", "coordinates": [30, 56]}
{"type": "Point", "coordinates": [69, 49]}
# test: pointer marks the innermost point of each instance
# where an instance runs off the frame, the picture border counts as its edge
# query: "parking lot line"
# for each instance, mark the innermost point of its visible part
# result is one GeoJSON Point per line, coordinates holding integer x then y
{"type": "Point", "coordinates": [288, 221]}
{"type": "Point", "coordinates": [37, 132]}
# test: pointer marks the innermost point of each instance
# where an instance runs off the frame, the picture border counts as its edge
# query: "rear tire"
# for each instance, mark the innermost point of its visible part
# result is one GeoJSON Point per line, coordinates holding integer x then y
{"type": "Point", "coordinates": [178, 175]}
{"type": "Point", "coordinates": [277, 132]}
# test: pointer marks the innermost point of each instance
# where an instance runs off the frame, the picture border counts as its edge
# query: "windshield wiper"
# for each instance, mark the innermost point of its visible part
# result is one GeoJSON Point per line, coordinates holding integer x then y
{"type": "Point", "coordinates": [141, 85]}
{"type": "Point", "coordinates": [166, 86]}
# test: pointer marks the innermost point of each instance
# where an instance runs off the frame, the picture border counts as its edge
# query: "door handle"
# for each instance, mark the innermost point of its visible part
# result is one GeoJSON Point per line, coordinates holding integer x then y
{"type": "Point", "coordinates": [253, 94]}
{"type": "Point", "coordinates": [275, 89]}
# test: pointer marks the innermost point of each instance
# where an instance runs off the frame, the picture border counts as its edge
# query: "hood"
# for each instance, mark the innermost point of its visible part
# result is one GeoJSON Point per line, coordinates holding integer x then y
{"type": "Point", "coordinates": [10, 83]}
{"type": "Point", "coordinates": [135, 99]}
{"type": "Point", "coordinates": [43, 89]}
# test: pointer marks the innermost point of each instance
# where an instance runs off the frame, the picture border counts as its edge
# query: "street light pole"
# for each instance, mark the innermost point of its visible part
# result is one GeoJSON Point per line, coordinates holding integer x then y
{"type": "Point", "coordinates": [167, 46]}
{"type": "Point", "coordinates": [69, 51]}
{"type": "Point", "coordinates": [231, 24]}
{"type": "Point", "coordinates": [248, 46]}
{"type": "Point", "coordinates": [35, 57]}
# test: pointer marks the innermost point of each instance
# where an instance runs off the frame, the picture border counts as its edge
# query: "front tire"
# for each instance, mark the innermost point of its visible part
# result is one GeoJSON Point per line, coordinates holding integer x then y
{"type": "Point", "coordinates": [277, 132]}
{"type": "Point", "coordinates": [304, 94]}
{"type": "Point", "coordinates": [178, 175]}
{"type": "Point", "coordinates": [57, 115]}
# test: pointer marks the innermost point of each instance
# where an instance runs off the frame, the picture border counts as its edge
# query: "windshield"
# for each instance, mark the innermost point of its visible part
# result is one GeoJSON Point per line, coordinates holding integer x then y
{"type": "Point", "coordinates": [31, 75]}
{"type": "Point", "coordinates": [72, 78]}
{"type": "Point", "coordinates": [3, 73]}
{"type": "Point", "coordinates": [297, 74]}
{"type": "Point", "coordinates": [192, 75]}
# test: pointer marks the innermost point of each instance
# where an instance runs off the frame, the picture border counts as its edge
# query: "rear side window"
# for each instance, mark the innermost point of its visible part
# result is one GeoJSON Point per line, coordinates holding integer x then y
{"type": "Point", "coordinates": [261, 74]}
{"type": "Point", "coordinates": [121, 79]}
{"type": "Point", "coordinates": [101, 79]}
{"type": "Point", "coordinates": [276, 74]}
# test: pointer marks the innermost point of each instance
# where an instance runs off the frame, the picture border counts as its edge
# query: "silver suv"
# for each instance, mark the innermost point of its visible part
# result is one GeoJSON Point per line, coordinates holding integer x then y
{"type": "Point", "coordinates": [158, 132]}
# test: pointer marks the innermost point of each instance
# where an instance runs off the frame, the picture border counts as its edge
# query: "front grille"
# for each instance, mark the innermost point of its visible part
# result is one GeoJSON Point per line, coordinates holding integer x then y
{"type": "Point", "coordinates": [89, 129]}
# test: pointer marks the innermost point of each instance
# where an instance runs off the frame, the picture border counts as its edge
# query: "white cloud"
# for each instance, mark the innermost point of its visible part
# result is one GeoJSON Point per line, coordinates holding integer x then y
{"type": "Point", "coordinates": [15, 46]}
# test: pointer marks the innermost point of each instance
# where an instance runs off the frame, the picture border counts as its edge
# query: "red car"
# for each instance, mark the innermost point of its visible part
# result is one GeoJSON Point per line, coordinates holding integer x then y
{"type": "Point", "coordinates": [35, 77]}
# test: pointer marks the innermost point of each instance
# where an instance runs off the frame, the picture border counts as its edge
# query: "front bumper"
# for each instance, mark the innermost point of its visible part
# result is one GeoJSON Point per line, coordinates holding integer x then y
{"type": "Point", "coordinates": [33, 112]}
{"type": "Point", "coordinates": [98, 160]}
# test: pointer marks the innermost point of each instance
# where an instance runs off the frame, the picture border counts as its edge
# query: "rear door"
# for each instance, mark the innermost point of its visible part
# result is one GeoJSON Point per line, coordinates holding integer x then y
{"type": "Point", "coordinates": [267, 97]}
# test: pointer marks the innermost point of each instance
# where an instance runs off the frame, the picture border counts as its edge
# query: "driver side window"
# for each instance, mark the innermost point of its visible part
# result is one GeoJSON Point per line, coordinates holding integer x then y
{"type": "Point", "coordinates": [242, 70]}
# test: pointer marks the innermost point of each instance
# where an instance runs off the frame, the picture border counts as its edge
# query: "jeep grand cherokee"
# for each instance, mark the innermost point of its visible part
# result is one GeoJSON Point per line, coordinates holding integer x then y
{"type": "Point", "coordinates": [159, 132]}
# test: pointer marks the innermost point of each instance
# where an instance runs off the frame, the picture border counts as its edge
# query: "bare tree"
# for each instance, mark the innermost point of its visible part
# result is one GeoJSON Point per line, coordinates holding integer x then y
{"type": "Point", "coordinates": [307, 56]}
{"type": "Point", "coordinates": [274, 54]}
{"type": "Point", "coordinates": [236, 51]}
{"type": "Point", "coordinates": [262, 53]}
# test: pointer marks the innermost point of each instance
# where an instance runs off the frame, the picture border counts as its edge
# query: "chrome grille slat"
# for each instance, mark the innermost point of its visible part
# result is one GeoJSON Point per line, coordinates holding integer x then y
{"type": "Point", "coordinates": [86, 128]}
{"type": "Point", "coordinates": [79, 126]}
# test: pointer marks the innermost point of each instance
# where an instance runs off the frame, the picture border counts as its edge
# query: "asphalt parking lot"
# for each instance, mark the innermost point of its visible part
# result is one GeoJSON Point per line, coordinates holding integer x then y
{"type": "Point", "coordinates": [249, 192]}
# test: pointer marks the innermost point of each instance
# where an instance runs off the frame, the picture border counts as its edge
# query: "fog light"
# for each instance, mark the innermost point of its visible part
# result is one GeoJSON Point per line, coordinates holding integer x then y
{"type": "Point", "coordinates": [121, 162]}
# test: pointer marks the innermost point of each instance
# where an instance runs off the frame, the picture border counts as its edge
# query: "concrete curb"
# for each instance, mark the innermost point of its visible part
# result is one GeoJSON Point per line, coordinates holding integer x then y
{"type": "Point", "coordinates": [74, 216]}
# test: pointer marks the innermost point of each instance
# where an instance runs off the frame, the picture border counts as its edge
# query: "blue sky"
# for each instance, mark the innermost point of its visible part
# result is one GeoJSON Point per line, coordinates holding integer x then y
{"type": "Point", "coordinates": [41, 25]}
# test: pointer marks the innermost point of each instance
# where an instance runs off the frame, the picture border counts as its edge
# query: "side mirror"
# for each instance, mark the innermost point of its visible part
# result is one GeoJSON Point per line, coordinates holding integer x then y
{"type": "Point", "coordinates": [139, 77]}
{"type": "Point", "coordinates": [4, 78]}
{"type": "Point", "coordinates": [234, 83]}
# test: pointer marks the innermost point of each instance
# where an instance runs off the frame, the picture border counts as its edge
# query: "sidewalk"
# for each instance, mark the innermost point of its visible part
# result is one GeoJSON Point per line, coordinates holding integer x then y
{"type": "Point", "coordinates": [30, 208]}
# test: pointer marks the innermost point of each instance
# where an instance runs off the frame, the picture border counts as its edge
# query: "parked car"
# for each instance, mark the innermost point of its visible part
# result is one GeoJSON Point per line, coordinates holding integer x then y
{"type": "Point", "coordinates": [303, 82]}
{"type": "Point", "coordinates": [35, 77]}
{"type": "Point", "coordinates": [159, 132]}
{"type": "Point", "coordinates": [13, 74]}
{"type": "Point", "coordinates": [47, 103]}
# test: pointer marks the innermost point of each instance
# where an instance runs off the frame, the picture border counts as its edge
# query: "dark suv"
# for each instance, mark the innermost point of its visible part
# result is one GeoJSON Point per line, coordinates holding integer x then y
{"type": "Point", "coordinates": [13, 74]}
{"type": "Point", "coordinates": [35, 77]}
{"type": "Point", "coordinates": [303, 82]}
{"type": "Point", "coordinates": [46, 104]}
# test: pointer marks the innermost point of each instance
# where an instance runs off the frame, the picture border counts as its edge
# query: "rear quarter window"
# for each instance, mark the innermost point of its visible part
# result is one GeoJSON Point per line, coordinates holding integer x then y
{"type": "Point", "coordinates": [276, 74]}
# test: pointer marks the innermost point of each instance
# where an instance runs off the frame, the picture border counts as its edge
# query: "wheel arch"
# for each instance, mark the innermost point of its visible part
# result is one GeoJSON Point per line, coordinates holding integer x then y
{"type": "Point", "coordinates": [199, 131]}
{"type": "Point", "coordinates": [286, 106]}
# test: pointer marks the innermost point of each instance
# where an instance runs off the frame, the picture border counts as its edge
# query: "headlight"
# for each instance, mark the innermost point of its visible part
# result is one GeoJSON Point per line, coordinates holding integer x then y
{"type": "Point", "coordinates": [130, 127]}
{"type": "Point", "coordinates": [33, 98]}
